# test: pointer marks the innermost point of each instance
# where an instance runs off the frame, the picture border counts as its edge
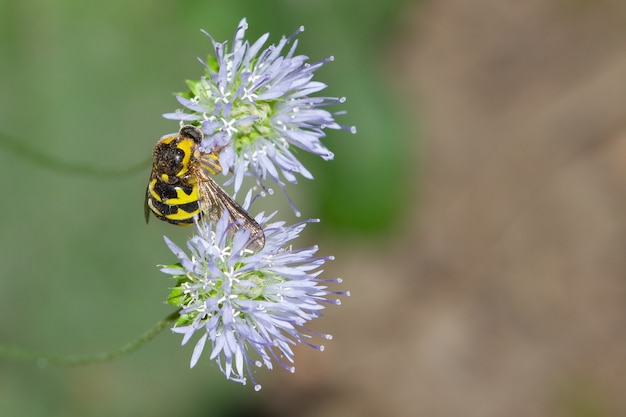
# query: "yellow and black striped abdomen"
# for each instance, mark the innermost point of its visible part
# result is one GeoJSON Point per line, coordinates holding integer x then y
{"type": "Point", "coordinates": [176, 203]}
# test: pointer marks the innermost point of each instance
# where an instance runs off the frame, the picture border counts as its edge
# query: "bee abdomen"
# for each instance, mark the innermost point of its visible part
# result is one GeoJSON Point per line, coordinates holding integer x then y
{"type": "Point", "coordinates": [181, 214]}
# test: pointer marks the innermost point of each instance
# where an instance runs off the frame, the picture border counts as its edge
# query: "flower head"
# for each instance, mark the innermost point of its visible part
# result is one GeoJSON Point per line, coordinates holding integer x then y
{"type": "Point", "coordinates": [250, 307]}
{"type": "Point", "coordinates": [255, 106]}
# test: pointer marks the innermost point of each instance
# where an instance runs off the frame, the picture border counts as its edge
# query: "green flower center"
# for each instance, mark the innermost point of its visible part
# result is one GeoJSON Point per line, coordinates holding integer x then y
{"type": "Point", "coordinates": [207, 94]}
{"type": "Point", "coordinates": [259, 127]}
{"type": "Point", "coordinates": [250, 286]}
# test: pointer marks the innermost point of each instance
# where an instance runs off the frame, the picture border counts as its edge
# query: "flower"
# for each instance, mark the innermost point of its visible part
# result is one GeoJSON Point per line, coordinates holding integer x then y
{"type": "Point", "coordinates": [250, 307]}
{"type": "Point", "coordinates": [255, 106]}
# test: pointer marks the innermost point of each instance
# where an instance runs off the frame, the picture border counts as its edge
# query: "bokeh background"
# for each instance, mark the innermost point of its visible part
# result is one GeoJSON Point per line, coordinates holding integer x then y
{"type": "Point", "coordinates": [478, 216]}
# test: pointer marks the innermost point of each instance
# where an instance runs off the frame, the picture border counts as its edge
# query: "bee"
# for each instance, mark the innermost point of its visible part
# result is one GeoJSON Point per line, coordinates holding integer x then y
{"type": "Point", "coordinates": [180, 188]}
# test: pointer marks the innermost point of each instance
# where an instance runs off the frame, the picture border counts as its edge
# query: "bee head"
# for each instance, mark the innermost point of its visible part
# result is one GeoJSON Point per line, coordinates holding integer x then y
{"type": "Point", "coordinates": [191, 132]}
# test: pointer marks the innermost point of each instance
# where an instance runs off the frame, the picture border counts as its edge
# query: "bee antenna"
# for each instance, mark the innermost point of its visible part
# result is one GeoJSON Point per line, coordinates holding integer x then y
{"type": "Point", "coordinates": [191, 132]}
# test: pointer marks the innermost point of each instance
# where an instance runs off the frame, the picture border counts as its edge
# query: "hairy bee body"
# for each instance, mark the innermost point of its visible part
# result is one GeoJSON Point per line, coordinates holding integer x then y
{"type": "Point", "coordinates": [181, 189]}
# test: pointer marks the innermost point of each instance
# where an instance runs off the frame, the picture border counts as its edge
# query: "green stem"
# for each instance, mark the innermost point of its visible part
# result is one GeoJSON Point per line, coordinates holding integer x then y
{"type": "Point", "coordinates": [21, 149]}
{"type": "Point", "coordinates": [43, 361]}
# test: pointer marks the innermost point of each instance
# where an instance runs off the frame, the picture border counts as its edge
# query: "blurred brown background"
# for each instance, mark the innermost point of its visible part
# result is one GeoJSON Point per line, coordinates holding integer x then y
{"type": "Point", "coordinates": [506, 295]}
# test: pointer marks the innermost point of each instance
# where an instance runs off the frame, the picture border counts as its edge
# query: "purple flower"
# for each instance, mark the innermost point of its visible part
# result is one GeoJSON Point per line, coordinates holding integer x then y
{"type": "Point", "coordinates": [255, 106]}
{"type": "Point", "coordinates": [248, 308]}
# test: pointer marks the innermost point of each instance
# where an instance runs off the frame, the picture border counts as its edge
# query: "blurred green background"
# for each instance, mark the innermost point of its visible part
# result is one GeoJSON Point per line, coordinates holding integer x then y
{"type": "Point", "coordinates": [85, 83]}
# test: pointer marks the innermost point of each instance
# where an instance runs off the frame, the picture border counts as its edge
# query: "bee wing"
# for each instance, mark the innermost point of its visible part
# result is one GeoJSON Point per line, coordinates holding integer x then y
{"type": "Point", "coordinates": [146, 207]}
{"type": "Point", "coordinates": [214, 200]}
